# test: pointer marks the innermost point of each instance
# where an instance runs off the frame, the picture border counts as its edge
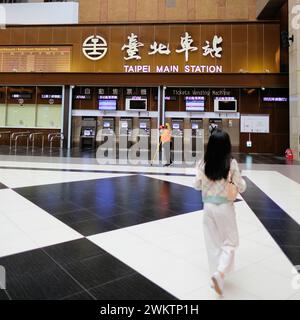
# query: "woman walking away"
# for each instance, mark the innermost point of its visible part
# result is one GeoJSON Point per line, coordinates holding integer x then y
{"type": "Point", "coordinates": [219, 178]}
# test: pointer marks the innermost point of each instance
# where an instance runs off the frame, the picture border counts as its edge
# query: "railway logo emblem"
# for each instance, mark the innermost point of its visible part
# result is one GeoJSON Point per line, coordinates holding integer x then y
{"type": "Point", "coordinates": [94, 48]}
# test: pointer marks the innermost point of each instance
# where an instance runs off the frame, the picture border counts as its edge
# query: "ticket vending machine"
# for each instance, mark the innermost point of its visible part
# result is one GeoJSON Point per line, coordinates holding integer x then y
{"type": "Point", "coordinates": [107, 132]}
{"type": "Point", "coordinates": [197, 127]}
{"type": "Point", "coordinates": [88, 132]}
{"type": "Point", "coordinates": [177, 126]}
{"type": "Point", "coordinates": [125, 133]}
{"type": "Point", "coordinates": [144, 127]}
{"type": "Point", "coordinates": [108, 126]}
{"type": "Point", "coordinates": [144, 137]}
{"type": "Point", "coordinates": [197, 137]}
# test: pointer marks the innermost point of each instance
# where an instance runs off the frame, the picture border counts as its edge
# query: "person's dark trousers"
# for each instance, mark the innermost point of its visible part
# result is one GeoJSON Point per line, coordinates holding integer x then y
{"type": "Point", "coordinates": [167, 152]}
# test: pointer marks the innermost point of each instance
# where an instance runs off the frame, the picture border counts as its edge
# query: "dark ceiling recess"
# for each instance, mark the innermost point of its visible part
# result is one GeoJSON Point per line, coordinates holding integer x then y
{"type": "Point", "coordinates": [271, 9]}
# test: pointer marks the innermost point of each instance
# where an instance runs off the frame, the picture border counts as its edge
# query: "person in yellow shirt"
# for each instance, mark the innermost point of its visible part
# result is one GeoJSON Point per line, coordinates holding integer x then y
{"type": "Point", "coordinates": [166, 141]}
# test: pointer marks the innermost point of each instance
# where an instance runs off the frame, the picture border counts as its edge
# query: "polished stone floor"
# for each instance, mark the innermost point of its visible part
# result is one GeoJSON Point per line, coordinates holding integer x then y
{"type": "Point", "coordinates": [74, 229]}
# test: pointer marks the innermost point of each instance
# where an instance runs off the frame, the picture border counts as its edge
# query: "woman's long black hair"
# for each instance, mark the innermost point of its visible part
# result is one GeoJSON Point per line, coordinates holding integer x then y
{"type": "Point", "coordinates": [218, 156]}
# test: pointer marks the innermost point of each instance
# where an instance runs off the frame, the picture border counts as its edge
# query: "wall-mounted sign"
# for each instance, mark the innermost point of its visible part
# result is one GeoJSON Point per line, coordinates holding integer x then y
{"type": "Point", "coordinates": [35, 59]}
{"type": "Point", "coordinates": [95, 48]}
{"type": "Point", "coordinates": [132, 48]}
{"type": "Point", "coordinates": [21, 95]}
{"type": "Point", "coordinates": [83, 97]}
{"type": "Point", "coordinates": [255, 123]}
{"type": "Point", "coordinates": [108, 97]}
{"type": "Point", "coordinates": [275, 99]}
{"type": "Point", "coordinates": [51, 96]}
{"type": "Point", "coordinates": [225, 98]}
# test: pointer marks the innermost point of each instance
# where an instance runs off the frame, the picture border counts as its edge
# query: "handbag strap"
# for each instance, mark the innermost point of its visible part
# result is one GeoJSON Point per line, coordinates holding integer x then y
{"type": "Point", "coordinates": [229, 179]}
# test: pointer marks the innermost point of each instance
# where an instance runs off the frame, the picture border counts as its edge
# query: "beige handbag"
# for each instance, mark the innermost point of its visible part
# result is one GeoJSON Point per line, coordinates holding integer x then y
{"type": "Point", "coordinates": [231, 189]}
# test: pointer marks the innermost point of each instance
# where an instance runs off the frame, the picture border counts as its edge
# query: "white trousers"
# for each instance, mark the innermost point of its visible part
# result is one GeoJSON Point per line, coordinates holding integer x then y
{"type": "Point", "coordinates": [221, 236]}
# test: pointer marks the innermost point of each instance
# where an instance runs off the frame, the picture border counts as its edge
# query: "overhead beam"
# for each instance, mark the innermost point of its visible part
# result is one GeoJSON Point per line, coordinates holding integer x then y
{"type": "Point", "coordinates": [267, 9]}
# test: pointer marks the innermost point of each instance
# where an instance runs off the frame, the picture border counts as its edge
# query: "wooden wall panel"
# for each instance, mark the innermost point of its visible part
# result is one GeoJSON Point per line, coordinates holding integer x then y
{"type": "Point", "coordinates": [118, 10]}
{"type": "Point", "coordinates": [278, 139]}
{"type": "Point", "coordinates": [246, 47]}
{"type": "Point", "coordinates": [239, 48]}
{"type": "Point", "coordinates": [99, 11]}
{"type": "Point", "coordinates": [256, 48]}
{"type": "Point", "coordinates": [271, 45]}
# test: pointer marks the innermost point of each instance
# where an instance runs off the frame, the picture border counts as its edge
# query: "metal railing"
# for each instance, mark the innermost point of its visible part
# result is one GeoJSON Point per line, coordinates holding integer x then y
{"type": "Point", "coordinates": [15, 137]}
{"type": "Point", "coordinates": [35, 135]}
{"type": "Point", "coordinates": [55, 136]}
{"type": "Point", "coordinates": [6, 133]}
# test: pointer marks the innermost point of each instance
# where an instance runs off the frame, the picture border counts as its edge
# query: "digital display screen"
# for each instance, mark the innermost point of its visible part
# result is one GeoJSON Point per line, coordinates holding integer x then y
{"type": "Point", "coordinates": [176, 126]}
{"type": "Point", "coordinates": [124, 125]}
{"type": "Point", "coordinates": [106, 124]}
{"type": "Point", "coordinates": [88, 132]}
{"type": "Point", "coordinates": [143, 125]}
{"type": "Point", "coordinates": [227, 105]}
{"type": "Point", "coordinates": [196, 104]}
{"type": "Point", "coordinates": [108, 105]}
{"type": "Point", "coordinates": [195, 126]}
{"type": "Point", "coordinates": [138, 105]}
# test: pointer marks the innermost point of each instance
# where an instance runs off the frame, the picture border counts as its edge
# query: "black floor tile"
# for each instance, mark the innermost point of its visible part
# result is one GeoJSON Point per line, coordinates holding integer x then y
{"type": "Point", "coordinates": [98, 270]}
{"type": "Point", "coordinates": [286, 238]}
{"type": "Point", "coordinates": [128, 220]}
{"type": "Point", "coordinates": [2, 186]}
{"type": "Point", "coordinates": [286, 224]}
{"type": "Point", "coordinates": [59, 207]}
{"type": "Point", "coordinates": [128, 199]}
{"type": "Point", "coordinates": [92, 226]}
{"type": "Point", "coordinates": [30, 262]}
{"type": "Point", "coordinates": [133, 287]}
{"type": "Point", "coordinates": [73, 251]}
{"type": "Point", "coordinates": [80, 296]}
{"type": "Point", "coordinates": [284, 230]}
{"type": "Point", "coordinates": [86, 200]}
{"type": "Point", "coordinates": [156, 212]}
{"type": "Point", "coordinates": [3, 295]}
{"type": "Point", "coordinates": [104, 211]}
{"type": "Point", "coordinates": [293, 253]}
{"type": "Point", "coordinates": [48, 285]}
{"type": "Point", "coordinates": [75, 216]}
{"type": "Point", "coordinates": [181, 207]}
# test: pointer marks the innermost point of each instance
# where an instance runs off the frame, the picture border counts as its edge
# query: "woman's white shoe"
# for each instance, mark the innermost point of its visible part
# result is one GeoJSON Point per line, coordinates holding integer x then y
{"type": "Point", "coordinates": [218, 283]}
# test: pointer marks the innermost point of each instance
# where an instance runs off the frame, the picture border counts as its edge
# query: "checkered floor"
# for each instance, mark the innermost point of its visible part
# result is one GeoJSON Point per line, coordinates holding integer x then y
{"type": "Point", "coordinates": [104, 235]}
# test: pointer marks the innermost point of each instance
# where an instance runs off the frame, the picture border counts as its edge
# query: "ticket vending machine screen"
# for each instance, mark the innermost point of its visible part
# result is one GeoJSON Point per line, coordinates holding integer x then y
{"type": "Point", "coordinates": [195, 126]}
{"type": "Point", "coordinates": [143, 125]}
{"type": "Point", "coordinates": [176, 126]}
{"type": "Point", "coordinates": [106, 125]}
{"type": "Point", "coordinates": [88, 132]}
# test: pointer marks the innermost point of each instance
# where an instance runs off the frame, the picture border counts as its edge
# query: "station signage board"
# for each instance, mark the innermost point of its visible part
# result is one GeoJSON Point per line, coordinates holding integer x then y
{"type": "Point", "coordinates": [95, 48]}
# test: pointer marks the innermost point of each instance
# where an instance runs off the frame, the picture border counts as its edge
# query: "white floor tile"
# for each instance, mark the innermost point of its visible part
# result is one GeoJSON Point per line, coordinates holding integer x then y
{"type": "Point", "coordinates": [185, 181]}
{"type": "Point", "coordinates": [282, 190]}
{"type": "Point", "coordinates": [266, 284]}
{"type": "Point", "coordinates": [24, 178]}
{"type": "Point", "coordinates": [231, 292]}
{"type": "Point", "coordinates": [49, 237]}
